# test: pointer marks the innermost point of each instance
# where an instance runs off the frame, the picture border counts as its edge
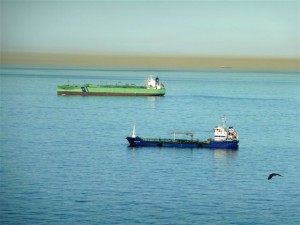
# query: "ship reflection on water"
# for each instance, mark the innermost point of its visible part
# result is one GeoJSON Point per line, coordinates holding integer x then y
{"type": "Point", "coordinates": [223, 154]}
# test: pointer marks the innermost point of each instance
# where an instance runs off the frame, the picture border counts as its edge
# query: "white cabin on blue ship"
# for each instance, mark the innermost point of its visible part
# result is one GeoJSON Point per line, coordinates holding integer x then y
{"type": "Point", "coordinates": [222, 134]}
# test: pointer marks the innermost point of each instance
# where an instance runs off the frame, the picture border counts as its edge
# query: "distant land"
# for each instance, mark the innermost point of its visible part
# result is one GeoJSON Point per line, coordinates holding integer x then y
{"type": "Point", "coordinates": [120, 61]}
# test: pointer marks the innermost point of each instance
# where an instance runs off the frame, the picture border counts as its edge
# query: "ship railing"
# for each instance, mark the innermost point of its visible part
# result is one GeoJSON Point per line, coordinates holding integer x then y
{"type": "Point", "coordinates": [191, 134]}
{"type": "Point", "coordinates": [170, 140]}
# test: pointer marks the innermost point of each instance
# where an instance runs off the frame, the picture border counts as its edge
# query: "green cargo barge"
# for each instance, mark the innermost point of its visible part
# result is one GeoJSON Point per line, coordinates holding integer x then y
{"type": "Point", "coordinates": [152, 87]}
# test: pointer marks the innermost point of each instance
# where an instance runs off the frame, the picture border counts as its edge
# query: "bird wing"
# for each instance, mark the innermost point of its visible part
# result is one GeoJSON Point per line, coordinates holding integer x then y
{"type": "Point", "coordinates": [273, 174]}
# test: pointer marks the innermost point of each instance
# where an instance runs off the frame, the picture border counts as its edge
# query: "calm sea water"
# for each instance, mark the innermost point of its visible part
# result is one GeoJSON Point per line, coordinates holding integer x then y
{"type": "Point", "coordinates": [65, 160]}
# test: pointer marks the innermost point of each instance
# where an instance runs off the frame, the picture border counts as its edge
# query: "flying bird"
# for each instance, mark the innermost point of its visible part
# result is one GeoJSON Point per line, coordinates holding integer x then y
{"type": "Point", "coordinates": [272, 175]}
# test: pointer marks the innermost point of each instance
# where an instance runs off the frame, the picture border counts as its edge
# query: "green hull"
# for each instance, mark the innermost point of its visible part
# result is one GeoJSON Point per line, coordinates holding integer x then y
{"type": "Point", "coordinates": [109, 90]}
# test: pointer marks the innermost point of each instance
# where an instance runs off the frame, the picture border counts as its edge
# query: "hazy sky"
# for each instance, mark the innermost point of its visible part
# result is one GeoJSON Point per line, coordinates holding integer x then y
{"type": "Point", "coordinates": [205, 28]}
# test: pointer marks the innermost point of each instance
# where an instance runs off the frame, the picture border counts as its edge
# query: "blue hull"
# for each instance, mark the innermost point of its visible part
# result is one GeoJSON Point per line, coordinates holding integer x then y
{"type": "Point", "coordinates": [181, 143]}
{"type": "Point", "coordinates": [222, 144]}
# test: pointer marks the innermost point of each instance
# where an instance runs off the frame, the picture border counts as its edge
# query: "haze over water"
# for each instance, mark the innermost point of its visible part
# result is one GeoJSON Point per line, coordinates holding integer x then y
{"type": "Point", "coordinates": [65, 160]}
{"type": "Point", "coordinates": [253, 29]}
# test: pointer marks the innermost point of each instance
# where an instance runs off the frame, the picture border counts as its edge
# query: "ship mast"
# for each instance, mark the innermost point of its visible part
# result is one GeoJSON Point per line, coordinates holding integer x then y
{"type": "Point", "coordinates": [133, 131]}
{"type": "Point", "coordinates": [223, 120]}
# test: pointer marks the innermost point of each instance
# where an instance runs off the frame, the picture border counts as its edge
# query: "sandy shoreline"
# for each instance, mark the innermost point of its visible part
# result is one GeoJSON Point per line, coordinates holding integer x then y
{"type": "Point", "coordinates": [150, 62]}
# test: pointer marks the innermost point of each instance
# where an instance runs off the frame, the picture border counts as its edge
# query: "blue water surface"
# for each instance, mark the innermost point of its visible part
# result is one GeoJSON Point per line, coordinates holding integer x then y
{"type": "Point", "coordinates": [65, 159]}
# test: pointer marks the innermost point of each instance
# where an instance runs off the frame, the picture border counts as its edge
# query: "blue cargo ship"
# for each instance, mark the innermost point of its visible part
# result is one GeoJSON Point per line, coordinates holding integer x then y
{"type": "Point", "coordinates": [223, 139]}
